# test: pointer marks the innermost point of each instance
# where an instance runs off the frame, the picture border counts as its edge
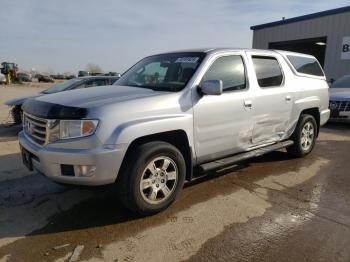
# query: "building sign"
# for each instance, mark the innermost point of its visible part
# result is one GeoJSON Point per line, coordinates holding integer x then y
{"type": "Point", "coordinates": [345, 50]}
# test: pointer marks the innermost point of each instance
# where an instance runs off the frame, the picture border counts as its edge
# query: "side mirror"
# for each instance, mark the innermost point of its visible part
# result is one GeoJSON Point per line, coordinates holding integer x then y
{"type": "Point", "coordinates": [211, 87]}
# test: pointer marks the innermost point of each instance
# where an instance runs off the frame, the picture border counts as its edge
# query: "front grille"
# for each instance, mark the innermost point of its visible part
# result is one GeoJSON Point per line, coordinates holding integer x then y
{"type": "Point", "coordinates": [340, 105]}
{"type": "Point", "coordinates": [35, 128]}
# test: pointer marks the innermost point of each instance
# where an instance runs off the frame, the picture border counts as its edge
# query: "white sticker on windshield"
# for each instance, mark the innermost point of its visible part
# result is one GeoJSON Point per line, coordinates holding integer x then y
{"type": "Point", "coordinates": [187, 59]}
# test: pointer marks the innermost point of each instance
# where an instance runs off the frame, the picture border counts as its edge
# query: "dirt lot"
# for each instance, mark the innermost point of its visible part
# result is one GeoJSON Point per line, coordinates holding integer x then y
{"type": "Point", "coordinates": [272, 208]}
{"type": "Point", "coordinates": [10, 167]}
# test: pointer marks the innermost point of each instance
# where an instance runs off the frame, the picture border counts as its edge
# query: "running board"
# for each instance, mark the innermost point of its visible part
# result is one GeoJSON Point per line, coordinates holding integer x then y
{"type": "Point", "coordinates": [225, 162]}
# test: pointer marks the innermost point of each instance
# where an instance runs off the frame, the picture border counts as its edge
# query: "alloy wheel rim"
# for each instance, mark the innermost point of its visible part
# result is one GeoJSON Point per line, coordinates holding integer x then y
{"type": "Point", "coordinates": [307, 136]}
{"type": "Point", "coordinates": [158, 180]}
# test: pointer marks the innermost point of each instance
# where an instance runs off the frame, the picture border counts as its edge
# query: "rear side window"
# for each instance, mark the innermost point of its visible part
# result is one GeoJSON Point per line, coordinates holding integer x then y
{"type": "Point", "coordinates": [306, 65]}
{"type": "Point", "coordinates": [268, 71]}
{"type": "Point", "coordinates": [229, 69]}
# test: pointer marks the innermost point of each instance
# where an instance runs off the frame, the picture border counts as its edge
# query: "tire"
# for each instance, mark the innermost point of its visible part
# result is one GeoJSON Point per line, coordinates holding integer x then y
{"type": "Point", "coordinates": [151, 177]}
{"type": "Point", "coordinates": [17, 115]}
{"type": "Point", "coordinates": [304, 136]}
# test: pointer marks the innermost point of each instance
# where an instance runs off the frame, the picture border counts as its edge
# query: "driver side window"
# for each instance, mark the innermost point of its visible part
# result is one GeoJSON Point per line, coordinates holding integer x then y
{"type": "Point", "coordinates": [229, 69]}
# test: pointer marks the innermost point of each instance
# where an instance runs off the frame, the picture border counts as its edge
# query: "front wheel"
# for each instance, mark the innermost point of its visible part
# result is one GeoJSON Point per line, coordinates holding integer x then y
{"type": "Point", "coordinates": [304, 136]}
{"type": "Point", "coordinates": [153, 176]}
{"type": "Point", "coordinates": [17, 114]}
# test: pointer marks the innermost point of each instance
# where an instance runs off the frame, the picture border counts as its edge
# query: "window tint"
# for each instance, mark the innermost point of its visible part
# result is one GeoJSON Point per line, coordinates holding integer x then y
{"type": "Point", "coordinates": [153, 72]}
{"type": "Point", "coordinates": [268, 71]}
{"type": "Point", "coordinates": [81, 85]}
{"type": "Point", "coordinates": [306, 65]}
{"type": "Point", "coordinates": [91, 83]}
{"type": "Point", "coordinates": [229, 69]}
{"type": "Point", "coordinates": [95, 82]}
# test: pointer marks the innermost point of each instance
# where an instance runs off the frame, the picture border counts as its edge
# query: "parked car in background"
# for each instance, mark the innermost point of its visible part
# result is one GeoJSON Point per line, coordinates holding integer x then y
{"type": "Point", "coordinates": [24, 77]}
{"type": "Point", "coordinates": [2, 79]}
{"type": "Point", "coordinates": [112, 74]}
{"type": "Point", "coordinates": [339, 99]}
{"type": "Point", "coordinates": [174, 113]}
{"type": "Point", "coordinates": [45, 79]}
{"type": "Point", "coordinates": [83, 73]}
{"type": "Point", "coordinates": [75, 83]}
{"type": "Point", "coordinates": [63, 76]}
{"type": "Point", "coordinates": [70, 77]}
{"type": "Point", "coordinates": [58, 77]}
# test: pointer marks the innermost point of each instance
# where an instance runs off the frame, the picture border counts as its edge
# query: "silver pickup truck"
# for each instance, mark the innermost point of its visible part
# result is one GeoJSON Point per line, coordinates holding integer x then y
{"type": "Point", "coordinates": [175, 116]}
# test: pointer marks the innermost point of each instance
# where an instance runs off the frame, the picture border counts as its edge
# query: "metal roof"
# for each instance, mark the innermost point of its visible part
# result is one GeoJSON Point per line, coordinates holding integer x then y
{"type": "Point", "coordinates": [226, 49]}
{"type": "Point", "coordinates": [302, 18]}
{"type": "Point", "coordinates": [206, 50]}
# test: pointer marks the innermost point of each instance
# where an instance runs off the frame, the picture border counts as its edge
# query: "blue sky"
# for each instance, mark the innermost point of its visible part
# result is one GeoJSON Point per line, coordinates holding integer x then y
{"type": "Point", "coordinates": [65, 35]}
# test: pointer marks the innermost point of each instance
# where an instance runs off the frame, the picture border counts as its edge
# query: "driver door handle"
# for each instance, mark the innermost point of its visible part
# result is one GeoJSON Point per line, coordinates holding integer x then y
{"type": "Point", "coordinates": [248, 103]}
{"type": "Point", "coordinates": [288, 98]}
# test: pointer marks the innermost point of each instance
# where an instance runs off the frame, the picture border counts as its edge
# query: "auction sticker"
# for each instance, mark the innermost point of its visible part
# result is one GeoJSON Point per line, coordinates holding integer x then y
{"type": "Point", "coordinates": [190, 59]}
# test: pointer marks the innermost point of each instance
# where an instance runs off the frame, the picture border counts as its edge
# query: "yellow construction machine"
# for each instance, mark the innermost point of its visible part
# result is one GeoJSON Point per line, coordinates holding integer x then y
{"type": "Point", "coordinates": [10, 71]}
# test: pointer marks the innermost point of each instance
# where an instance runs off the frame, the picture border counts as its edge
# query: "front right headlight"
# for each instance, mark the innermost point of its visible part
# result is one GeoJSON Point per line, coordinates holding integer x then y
{"type": "Point", "coordinates": [77, 128]}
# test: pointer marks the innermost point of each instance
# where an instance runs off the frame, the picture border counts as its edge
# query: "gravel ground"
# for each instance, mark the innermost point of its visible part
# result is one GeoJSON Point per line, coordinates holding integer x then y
{"type": "Point", "coordinates": [12, 91]}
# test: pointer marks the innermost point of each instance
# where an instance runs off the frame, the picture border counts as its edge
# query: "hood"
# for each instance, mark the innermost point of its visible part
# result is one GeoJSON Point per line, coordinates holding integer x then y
{"type": "Point", "coordinates": [75, 104]}
{"type": "Point", "coordinates": [98, 96]}
{"type": "Point", "coordinates": [339, 94]}
{"type": "Point", "coordinates": [20, 100]}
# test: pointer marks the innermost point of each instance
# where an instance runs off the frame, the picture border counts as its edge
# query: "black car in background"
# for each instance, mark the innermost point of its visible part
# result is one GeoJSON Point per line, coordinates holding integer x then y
{"type": "Point", "coordinates": [63, 76]}
{"type": "Point", "coordinates": [75, 83]}
{"type": "Point", "coordinates": [24, 77]}
{"type": "Point", "coordinates": [45, 79]}
{"type": "Point", "coordinates": [82, 73]}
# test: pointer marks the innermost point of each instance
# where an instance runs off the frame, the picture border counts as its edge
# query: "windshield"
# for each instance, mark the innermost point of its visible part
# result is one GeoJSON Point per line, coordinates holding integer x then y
{"type": "Point", "coordinates": [343, 82]}
{"type": "Point", "coordinates": [62, 86]}
{"type": "Point", "coordinates": [166, 72]}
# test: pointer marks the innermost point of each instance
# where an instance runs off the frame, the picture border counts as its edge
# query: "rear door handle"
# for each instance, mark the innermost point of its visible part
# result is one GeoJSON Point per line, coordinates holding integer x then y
{"type": "Point", "coordinates": [248, 103]}
{"type": "Point", "coordinates": [288, 98]}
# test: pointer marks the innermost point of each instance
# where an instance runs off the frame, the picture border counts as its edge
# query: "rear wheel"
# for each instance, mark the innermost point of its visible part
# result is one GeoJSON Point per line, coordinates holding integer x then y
{"type": "Point", "coordinates": [152, 178]}
{"type": "Point", "coordinates": [304, 136]}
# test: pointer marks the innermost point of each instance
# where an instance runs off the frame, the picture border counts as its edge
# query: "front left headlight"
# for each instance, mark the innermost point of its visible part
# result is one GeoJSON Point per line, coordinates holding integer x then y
{"type": "Point", "coordinates": [77, 128]}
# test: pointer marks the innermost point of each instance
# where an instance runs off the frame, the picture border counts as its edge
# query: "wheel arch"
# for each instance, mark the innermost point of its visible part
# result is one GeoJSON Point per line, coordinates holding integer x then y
{"type": "Point", "coordinates": [177, 138]}
{"type": "Point", "coordinates": [315, 112]}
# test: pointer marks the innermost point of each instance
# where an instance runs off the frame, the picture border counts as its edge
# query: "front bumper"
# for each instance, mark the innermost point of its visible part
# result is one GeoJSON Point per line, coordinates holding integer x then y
{"type": "Point", "coordinates": [48, 161]}
{"type": "Point", "coordinates": [340, 109]}
{"type": "Point", "coordinates": [340, 116]}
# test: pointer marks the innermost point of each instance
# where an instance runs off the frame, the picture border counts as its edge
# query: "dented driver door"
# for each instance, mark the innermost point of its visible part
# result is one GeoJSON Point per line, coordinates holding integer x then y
{"type": "Point", "coordinates": [223, 123]}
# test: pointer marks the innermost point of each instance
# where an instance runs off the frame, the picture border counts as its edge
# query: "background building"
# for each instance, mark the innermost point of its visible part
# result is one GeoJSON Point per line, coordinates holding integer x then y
{"type": "Point", "coordinates": [326, 35]}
